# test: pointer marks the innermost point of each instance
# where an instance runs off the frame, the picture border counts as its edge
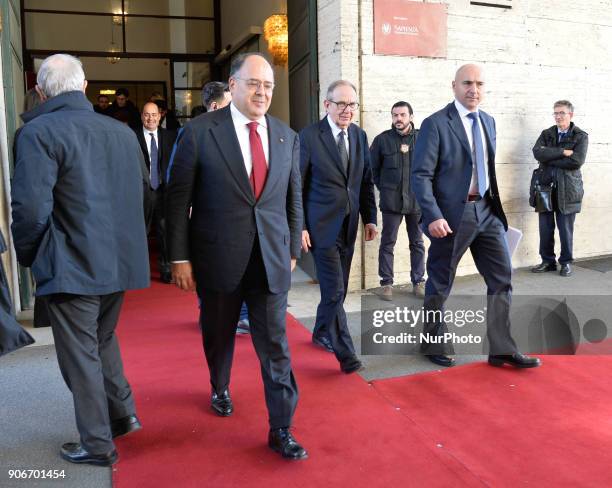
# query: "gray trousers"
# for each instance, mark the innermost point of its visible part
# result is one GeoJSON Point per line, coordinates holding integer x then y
{"type": "Point", "coordinates": [388, 238]}
{"type": "Point", "coordinates": [483, 233]}
{"type": "Point", "coordinates": [90, 362]}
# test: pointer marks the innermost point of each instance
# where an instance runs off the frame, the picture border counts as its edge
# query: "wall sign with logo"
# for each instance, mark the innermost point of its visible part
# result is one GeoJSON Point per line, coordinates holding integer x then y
{"type": "Point", "coordinates": [409, 28]}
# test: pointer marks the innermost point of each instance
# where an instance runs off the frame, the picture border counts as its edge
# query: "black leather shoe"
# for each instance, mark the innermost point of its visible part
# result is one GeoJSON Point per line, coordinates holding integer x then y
{"type": "Point", "coordinates": [441, 360]}
{"type": "Point", "coordinates": [351, 365]}
{"type": "Point", "coordinates": [125, 425]}
{"type": "Point", "coordinates": [323, 342]}
{"type": "Point", "coordinates": [566, 270]}
{"type": "Point", "coordinates": [281, 441]}
{"type": "Point", "coordinates": [73, 452]}
{"type": "Point", "coordinates": [517, 360]}
{"type": "Point", "coordinates": [222, 404]}
{"type": "Point", "coordinates": [543, 267]}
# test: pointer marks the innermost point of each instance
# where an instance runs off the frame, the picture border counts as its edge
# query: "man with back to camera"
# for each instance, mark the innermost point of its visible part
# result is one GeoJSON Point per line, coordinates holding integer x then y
{"type": "Point", "coordinates": [391, 154]}
{"type": "Point", "coordinates": [453, 178]}
{"type": "Point", "coordinates": [561, 151]}
{"type": "Point", "coordinates": [238, 165]}
{"type": "Point", "coordinates": [156, 144]}
{"type": "Point", "coordinates": [337, 187]}
{"type": "Point", "coordinates": [77, 208]}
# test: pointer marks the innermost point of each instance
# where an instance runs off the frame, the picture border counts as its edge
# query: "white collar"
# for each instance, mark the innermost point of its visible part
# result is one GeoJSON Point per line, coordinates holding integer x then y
{"type": "Point", "coordinates": [240, 119]}
{"type": "Point", "coordinates": [147, 131]}
{"type": "Point", "coordinates": [335, 129]}
{"type": "Point", "coordinates": [463, 112]}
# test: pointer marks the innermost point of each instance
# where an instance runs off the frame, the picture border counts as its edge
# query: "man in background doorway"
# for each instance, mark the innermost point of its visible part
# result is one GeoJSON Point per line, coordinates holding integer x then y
{"type": "Point", "coordinates": [103, 105]}
{"type": "Point", "coordinates": [124, 110]}
{"type": "Point", "coordinates": [156, 144]}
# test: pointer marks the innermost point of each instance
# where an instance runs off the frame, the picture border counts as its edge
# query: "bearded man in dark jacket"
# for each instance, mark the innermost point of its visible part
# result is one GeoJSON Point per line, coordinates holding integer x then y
{"type": "Point", "coordinates": [561, 151]}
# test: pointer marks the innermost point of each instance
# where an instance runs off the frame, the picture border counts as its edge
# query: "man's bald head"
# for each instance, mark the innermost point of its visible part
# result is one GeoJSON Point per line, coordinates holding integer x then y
{"type": "Point", "coordinates": [150, 116]}
{"type": "Point", "coordinates": [468, 86]}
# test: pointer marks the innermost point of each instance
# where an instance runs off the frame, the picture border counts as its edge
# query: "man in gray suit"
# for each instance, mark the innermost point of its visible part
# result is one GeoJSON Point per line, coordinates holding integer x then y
{"type": "Point", "coordinates": [453, 178]}
{"type": "Point", "coordinates": [77, 222]}
{"type": "Point", "coordinates": [238, 170]}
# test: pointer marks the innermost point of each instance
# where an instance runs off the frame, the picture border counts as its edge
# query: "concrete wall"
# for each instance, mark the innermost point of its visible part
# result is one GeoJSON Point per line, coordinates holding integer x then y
{"type": "Point", "coordinates": [533, 54]}
{"type": "Point", "coordinates": [236, 17]}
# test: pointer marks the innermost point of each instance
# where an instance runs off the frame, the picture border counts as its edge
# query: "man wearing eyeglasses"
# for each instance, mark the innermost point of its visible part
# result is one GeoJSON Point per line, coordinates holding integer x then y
{"type": "Point", "coordinates": [238, 169]}
{"type": "Point", "coordinates": [561, 151]}
{"type": "Point", "coordinates": [337, 187]}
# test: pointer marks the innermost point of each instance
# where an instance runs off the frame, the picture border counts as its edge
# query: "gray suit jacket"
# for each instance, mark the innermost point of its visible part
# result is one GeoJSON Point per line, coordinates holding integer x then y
{"type": "Point", "coordinates": [207, 173]}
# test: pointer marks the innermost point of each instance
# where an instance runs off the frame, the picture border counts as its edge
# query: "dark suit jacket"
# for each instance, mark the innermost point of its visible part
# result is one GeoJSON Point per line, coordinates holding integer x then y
{"type": "Point", "coordinates": [326, 188]}
{"type": "Point", "coordinates": [77, 200]}
{"type": "Point", "coordinates": [166, 142]}
{"type": "Point", "coordinates": [207, 172]}
{"type": "Point", "coordinates": [442, 167]}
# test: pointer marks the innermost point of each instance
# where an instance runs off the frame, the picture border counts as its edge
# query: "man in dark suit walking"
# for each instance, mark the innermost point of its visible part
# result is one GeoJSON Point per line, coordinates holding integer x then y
{"type": "Point", "coordinates": [156, 144]}
{"type": "Point", "coordinates": [453, 178]}
{"type": "Point", "coordinates": [238, 169]}
{"type": "Point", "coordinates": [77, 222]}
{"type": "Point", "coordinates": [337, 187]}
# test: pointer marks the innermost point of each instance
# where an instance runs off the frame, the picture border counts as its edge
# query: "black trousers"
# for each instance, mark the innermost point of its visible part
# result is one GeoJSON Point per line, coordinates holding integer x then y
{"type": "Point", "coordinates": [90, 362]}
{"type": "Point", "coordinates": [333, 265]}
{"type": "Point", "coordinates": [155, 217]}
{"type": "Point", "coordinates": [388, 238]}
{"type": "Point", "coordinates": [483, 233]}
{"type": "Point", "coordinates": [219, 315]}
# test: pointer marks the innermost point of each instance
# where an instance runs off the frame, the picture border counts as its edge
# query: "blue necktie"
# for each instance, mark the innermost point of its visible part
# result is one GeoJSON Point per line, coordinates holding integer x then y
{"type": "Point", "coordinates": [154, 163]}
{"type": "Point", "coordinates": [562, 136]}
{"type": "Point", "coordinates": [479, 150]}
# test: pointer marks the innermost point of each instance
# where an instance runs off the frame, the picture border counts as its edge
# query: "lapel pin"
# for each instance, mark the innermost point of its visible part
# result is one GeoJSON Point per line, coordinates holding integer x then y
{"type": "Point", "coordinates": [282, 140]}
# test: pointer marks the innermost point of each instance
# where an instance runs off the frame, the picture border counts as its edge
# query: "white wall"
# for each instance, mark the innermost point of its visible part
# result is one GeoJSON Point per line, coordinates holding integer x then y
{"type": "Point", "coordinates": [533, 54]}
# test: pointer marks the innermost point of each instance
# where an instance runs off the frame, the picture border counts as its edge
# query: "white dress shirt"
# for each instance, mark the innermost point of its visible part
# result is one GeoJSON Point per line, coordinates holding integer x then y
{"type": "Point", "coordinates": [336, 132]}
{"type": "Point", "coordinates": [147, 137]}
{"type": "Point", "coordinates": [467, 125]}
{"type": "Point", "coordinates": [242, 131]}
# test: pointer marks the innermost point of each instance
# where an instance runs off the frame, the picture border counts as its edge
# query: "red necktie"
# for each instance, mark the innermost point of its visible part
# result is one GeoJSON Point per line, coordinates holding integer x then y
{"type": "Point", "coordinates": [259, 171]}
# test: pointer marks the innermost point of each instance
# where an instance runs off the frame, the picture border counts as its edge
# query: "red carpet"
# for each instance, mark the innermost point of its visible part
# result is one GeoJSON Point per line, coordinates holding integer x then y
{"type": "Point", "coordinates": [546, 427]}
{"type": "Point", "coordinates": [465, 427]}
{"type": "Point", "coordinates": [352, 435]}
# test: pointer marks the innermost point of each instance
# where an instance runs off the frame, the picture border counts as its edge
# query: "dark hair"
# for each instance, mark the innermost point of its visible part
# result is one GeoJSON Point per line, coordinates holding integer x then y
{"type": "Point", "coordinates": [564, 103]}
{"type": "Point", "coordinates": [122, 91]}
{"type": "Point", "coordinates": [102, 95]}
{"type": "Point", "coordinates": [213, 91]}
{"type": "Point", "coordinates": [402, 104]}
{"type": "Point", "coordinates": [161, 104]}
{"type": "Point", "coordinates": [239, 60]}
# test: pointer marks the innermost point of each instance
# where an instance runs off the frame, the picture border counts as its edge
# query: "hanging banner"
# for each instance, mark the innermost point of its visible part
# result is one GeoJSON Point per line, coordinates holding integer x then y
{"type": "Point", "coordinates": [408, 28]}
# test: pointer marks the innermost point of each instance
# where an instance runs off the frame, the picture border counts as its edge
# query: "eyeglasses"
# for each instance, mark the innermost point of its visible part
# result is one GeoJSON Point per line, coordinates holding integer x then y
{"type": "Point", "coordinates": [343, 105]}
{"type": "Point", "coordinates": [254, 84]}
{"type": "Point", "coordinates": [559, 114]}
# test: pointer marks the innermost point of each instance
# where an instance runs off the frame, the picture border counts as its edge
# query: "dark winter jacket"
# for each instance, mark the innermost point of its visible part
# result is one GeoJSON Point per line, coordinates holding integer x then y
{"type": "Point", "coordinates": [563, 171]}
{"type": "Point", "coordinates": [77, 200]}
{"type": "Point", "coordinates": [391, 171]}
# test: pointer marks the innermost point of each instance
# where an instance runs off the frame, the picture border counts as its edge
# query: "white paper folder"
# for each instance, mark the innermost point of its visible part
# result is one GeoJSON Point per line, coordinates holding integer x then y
{"type": "Point", "coordinates": [513, 237]}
